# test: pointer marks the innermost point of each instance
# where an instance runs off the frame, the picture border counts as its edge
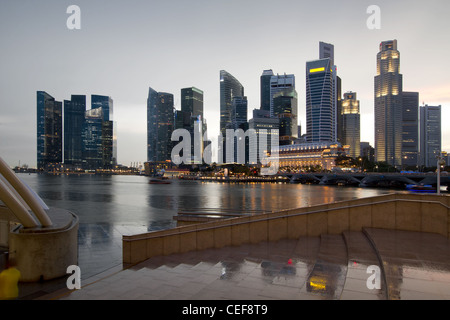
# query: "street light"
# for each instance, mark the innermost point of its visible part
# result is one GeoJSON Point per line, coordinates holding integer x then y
{"type": "Point", "coordinates": [440, 161]}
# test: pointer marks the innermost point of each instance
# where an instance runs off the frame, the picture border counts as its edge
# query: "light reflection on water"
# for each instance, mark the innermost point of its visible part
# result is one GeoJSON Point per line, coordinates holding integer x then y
{"type": "Point", "coordinates": [130, 200]}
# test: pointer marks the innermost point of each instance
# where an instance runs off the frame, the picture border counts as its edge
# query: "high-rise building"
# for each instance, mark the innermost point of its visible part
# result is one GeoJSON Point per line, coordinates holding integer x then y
{"type": "Point", "coordinates": [160, 125]}
{"type": "Point", "coordinates": [351, 128]}
{"type": "Point", "coordinates": [410, 129]}
{"type": "Point", "coordinates": [265, 89]}
{"type": "Point", "coordinates": [229, 87]}
{"type": "Point", "coordinates": [430, 135]}
{"type": "Point", "coordinates": [285, 108]}
{"type": "Point", "coordinates": [326, 50]}
{"type": "Point", "coordinates": [190, 115]}
{"type": "Point", "coordinates": [49, 131]}
{"type": "Point", "coordinates": [92, 135]}
{"type": "Point", "coordinates": [320, 101]}
{"type": "Point", "coordinates": [109, 139]}
{"type": "Point", "coordinates": [262, 121]}
{"type": "Point", "coordinates": [280, 83]}
{"type": "Point", "coordinates": [74, 118]}
{"type": "Point", "coordinates": [388, 105]}
{"type": "Point", "coordinates": [367, 151]}
{"type": "Point", "coordinates": [239, 106]}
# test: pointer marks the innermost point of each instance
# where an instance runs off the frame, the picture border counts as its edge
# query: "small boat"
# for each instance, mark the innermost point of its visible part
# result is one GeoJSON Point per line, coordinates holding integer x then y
{"type": "Point", "coordinates": [158, 181]}
{"type": "Point", "coordinates": [421, 188]}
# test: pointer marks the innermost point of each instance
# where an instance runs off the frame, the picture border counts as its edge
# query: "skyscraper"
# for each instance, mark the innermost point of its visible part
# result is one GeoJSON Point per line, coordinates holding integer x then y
{"type": "Point", "coordinates": [388, 105]}
{"type": "Point", "coordinates": [49, 131]}
{"type": "Point", "coordinates": [351, 128]}
{"type": "Point", "coordinates": [320, 101]}
{"type": "Point", "coordinates": [410, 129]}
{"type": "Point", "coordinates": [280, 83]}
{"type": "Point", "coordinates": [229, 87]}
{"type": "Point", "coordinates": [160, 125]}
{"type": "Point", "coordinates": [285, 108]}
{"type": "Point", "coordinates": [109, 135]}
{"type": "Point", "coordinates": [265, 89]}
{"type": "Point", "coordinates": [430, 135]}
{"type": "Point", "coordinates": [74, 118]}
{"type": "Point", "coordinates": [92, 135]}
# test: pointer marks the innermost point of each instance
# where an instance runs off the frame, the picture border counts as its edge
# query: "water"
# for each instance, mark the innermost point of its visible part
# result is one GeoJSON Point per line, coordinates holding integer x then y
{"type": "Point", "coordinates": [109, 207]}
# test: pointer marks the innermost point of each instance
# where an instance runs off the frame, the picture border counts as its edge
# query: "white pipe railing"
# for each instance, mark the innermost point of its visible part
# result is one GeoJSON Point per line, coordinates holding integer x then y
{"type": "Point", "coordinates": [21, 199]}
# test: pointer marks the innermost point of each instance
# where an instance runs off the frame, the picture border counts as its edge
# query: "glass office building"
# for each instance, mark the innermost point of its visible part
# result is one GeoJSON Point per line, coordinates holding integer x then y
{"type": "Point", "coordinates": [430, 135]}
{"type": "Point", "coordinates": [285, 108]}
{"type": "Point", "coordinates": [320, 101]}
{"type": "Point", "coordinates": [410, 129]}
{"type": "Point", "coordinates": [388, 105]}
{"type": "Point", "coordinates": [160, 125]}
{"type": "Point", "coordinates": [93, 139]}
{"type": "Point", "coordinates": [49, 131]}
{"type": "Point", "coordinates": [74, 117]}
{"type": "Point", "coordinates": [265, 89]}
{"type": "Point", "coordinates": [229, 87]}
{"type": "Point", "coordinates": [351, 127]}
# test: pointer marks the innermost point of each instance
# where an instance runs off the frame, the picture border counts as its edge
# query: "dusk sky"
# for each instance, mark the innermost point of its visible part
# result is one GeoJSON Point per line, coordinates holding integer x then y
{"type": "Point", "coordinates": [125, 47]}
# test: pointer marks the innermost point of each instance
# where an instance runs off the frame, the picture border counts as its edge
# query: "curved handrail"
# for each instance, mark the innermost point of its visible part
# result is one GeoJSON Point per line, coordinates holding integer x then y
{"type": "Point", "coordinates": [30, 198]}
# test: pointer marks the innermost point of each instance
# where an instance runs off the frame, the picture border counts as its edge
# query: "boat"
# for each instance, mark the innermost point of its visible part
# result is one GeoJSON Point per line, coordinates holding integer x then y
{"type": "Point", "coordinates": [158, 181]}
{"type": "Point", "coordinates": [427, 188]}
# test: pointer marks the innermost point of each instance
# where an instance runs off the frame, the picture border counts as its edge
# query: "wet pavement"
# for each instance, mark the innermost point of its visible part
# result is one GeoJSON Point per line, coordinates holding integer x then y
{"type": "Point", "coordinates": [331, 267]}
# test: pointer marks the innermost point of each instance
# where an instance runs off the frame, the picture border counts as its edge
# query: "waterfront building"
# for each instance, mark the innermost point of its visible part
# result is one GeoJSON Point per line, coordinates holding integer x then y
{"type": "Point", "coordinates": [279, 83]}
{"type": "Point", "coordinates": [320, 101]}
{"type": "Point", "coordinates": [351, 128]}
{"type": "Point", "coordinates": [367, 151]}
{"type": "Point", "coordinates": [74, 118]}
{"type": "Point", "coordinates": [229, 87]}
{"type": "Point", "coordinates": [190, 115]}
{"type": "Point", "coordinates": [160, 125]}
{"type": "Point", "coordinates": [49, 131]}
{"type": "Point", "coordinates": [109, 136]}
{"type": "Point", "coordinates": [92, 135]}
{"type": "Point", "coordinates": [262, 122]}
{"type": "Point", "coordinates": [265, 89]}
{"type": "Point", "coordinates": [410, 129]}
{"type": "Point", "coordinates": [430, 135]}
{"type": "Point", "coordinates": [285, 108]}
{"type": "Point", "coordinates": [306, 156]}
{"type": "Point", "coordinates": [388, 105]}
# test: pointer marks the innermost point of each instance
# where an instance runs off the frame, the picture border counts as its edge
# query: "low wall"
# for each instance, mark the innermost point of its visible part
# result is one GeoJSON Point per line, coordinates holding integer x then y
{"type": "Point", "coordinates": [412, 212]}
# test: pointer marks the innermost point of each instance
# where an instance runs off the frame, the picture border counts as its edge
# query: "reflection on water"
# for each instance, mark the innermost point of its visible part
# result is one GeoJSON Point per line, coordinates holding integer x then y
{"type": "Point", "coordinates": [132, 200]}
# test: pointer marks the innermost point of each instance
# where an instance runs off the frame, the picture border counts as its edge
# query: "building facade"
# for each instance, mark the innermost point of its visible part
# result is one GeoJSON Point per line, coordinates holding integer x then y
{"type": "Point", "coordinates": [74, 118]}
{"type": "Point", "coordinates": [265, 89]}
{"type": "Point", "coordinates": [430, 135]}
{"type": "Point", "coordinates": [388, 105]}
{"type": "Point", "coordinates": [160, 125]}
{"type": "Point", "coordinates": [285, 108]}
{"type": "Point", "coordinates": [279, 83]}
{"type": "Point", "coordinates": [49, 131]}
{"type": "Point", "coordinates": [351, 127]}
{"type": "Point", "coordinates": [410, 129]}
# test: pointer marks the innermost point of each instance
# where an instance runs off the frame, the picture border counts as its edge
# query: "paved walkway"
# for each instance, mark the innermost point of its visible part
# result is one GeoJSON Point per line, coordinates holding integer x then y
{"type": "Point", "coordinates": [414, 266]}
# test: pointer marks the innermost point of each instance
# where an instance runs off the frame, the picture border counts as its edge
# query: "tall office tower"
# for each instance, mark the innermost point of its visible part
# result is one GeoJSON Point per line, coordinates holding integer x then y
{"type": "Point", "coordinates": [320, 101]}
{"type": "Point", "coordinates": [265, 89]}
{"type": "Point", "coordinates": [92, 135]}
{"type": "Point", "coordinates": [367, 151]}
{"type": "Point", "coordinates": [229, 87]}
{"type": "Point", "coordinates": [430, 135]}
{"type": "Point", "coordinates": [160, 125]}
{"type": "Point", "coordinates": [110, 136]}
{"type": "Point", "coordinates": [326, 50]}
{"type": "Point", "coordinates": [410, 129]}
{"type": "Point", "coordinates": [74, 118]}
{"type": "Point", "coordinates": [191, 114]}
{"type": "Point", "coordinates": [279, 83]}
{"type": "Point", "coordinates": [388, 105]}
{"type": "Point", "coordinates": [239, 106]}
{"type": "Point", "coordinates": [285, 108]}
{"type": "Point", "coordinates": [262, 121]}
{"type": "Point", "coordinates": [351, 132]}
{"type": "Point", "coordinates": [49, 131]}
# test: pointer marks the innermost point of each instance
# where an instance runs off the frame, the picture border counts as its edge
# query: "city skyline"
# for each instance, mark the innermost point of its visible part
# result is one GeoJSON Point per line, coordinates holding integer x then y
{"type": "Point", "coordinates": [116, 54]}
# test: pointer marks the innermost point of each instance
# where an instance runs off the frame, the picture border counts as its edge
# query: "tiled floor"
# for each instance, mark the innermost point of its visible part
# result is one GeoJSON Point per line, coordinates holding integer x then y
{"type": "Point", "coordinates": [415, 265]}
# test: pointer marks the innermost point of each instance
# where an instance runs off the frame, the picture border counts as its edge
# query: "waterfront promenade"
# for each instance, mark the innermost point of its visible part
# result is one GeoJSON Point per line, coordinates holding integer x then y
{"type": "Point", "coordinates": [410, 245]}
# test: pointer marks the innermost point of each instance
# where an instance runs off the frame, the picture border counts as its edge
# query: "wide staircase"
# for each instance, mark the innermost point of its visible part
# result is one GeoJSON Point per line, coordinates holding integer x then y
{"type": "Point", "coordinates": [413, 265]}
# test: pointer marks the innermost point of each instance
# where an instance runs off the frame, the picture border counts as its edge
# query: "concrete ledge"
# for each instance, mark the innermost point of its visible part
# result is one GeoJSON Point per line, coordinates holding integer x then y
{"type": "Point", "coordinates": [45, 253]}
{"type": "Point", "coordinates": [410, 212]}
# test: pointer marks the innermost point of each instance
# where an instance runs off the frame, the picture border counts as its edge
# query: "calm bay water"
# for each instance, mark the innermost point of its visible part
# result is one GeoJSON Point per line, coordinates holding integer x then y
{"type": "Point", "coordinates": [131, 200]}
{"type": "Point", "coordinates": [109, 207]}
